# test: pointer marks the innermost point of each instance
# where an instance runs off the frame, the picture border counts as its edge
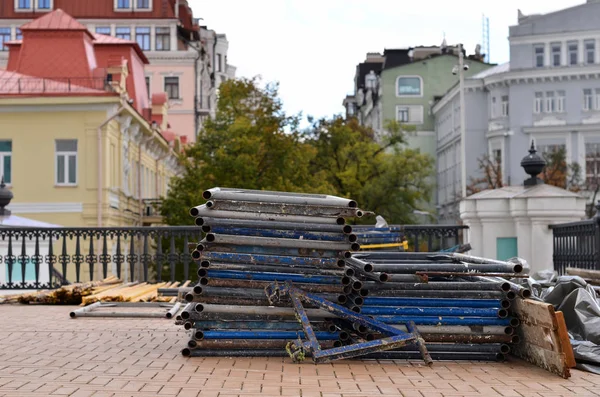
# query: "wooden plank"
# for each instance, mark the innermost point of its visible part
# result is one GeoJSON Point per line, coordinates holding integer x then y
{"type": "Point", "coordinates": [551, 361]}
{"type": "Point", "coordinates": [585, 273]}
{"type": "Point", "coordinates": [535, 313]}
{"type": "Point", "coordinates": [540, 336]}
{"type": "Point", "coordinates": [565, 341]}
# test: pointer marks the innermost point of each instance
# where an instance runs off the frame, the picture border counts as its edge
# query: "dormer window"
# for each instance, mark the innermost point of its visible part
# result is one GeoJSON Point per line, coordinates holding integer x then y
{"type": "Point", "coordinates": [123, 4]}
{"type": "Point", "coordinates": [23, 5]}
{"type": "Point", "coordinates": [133, 5]}
{"type": "Point", "coordinates": [371, 80]}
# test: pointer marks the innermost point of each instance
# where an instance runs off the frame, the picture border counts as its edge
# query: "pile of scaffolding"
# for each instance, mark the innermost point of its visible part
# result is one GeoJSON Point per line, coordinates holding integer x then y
{"type": "Point", "coordinates": [280, 274]}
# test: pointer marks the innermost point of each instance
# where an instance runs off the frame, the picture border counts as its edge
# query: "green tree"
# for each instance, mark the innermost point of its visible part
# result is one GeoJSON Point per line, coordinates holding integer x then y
{"type": "Point", "coordinates": [384, 177]}
{"type": "Point", "coordinates": [251, 144]}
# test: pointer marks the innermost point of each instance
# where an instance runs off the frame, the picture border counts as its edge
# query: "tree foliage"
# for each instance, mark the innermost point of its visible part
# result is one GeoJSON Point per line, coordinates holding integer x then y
{"type": "Point", "coordinates": [383, 177]}
{"type": "Point", "coordinates": [253, 144]}
{"type": "Point", "coordinates": [491, 170]}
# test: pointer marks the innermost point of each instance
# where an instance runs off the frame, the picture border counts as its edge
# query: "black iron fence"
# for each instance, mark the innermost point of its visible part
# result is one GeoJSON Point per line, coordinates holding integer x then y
{"type": "Point", "coordinates": [45, 258]}
{"type": "Point", "coordinates": [34, 258]}
{"type": "Point", "coordinates": [576, 244]}
{"type": "Point", "coordinates": [431, 238]}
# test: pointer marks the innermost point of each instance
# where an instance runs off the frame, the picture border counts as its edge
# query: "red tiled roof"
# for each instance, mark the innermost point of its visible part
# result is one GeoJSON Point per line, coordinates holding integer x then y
{"type": "Point", "coordinates": [101, 39]}
{"type": "Point", "coordinates": [96, 9]}
{"type": "Point", "coordinates": [55, 20]}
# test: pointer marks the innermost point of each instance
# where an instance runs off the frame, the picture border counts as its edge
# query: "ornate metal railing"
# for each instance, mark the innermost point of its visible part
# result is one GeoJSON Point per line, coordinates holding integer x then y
{"type": "Point", "coordinates": [576, 244]}
{"type": "Point", "coordinates": [44, 258]}
{"type": "Point", "coordinates": [34, 258]}
{"type": "Point", "coordinates": [58, 85]}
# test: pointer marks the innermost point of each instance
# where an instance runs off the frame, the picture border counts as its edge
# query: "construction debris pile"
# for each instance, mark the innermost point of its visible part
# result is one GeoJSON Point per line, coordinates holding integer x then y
{"type": "Point", "coordinates": [266, 255]}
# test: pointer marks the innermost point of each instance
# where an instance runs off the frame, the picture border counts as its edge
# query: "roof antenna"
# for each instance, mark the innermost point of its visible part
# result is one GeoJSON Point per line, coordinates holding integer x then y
{"type": "Point", "coordinates": [444, 45]}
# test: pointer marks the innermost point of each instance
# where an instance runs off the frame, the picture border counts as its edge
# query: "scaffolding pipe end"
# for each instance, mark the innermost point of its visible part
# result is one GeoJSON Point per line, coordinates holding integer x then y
{"type": "Point", "coordinates": [189, 297]}
{"type": "Point", "coordinates": [352, 238]}
{"type": "Point", "coordinates": [352, 204]}
{"type": "Point", "coordinates": [202, 272]}
{"type": "Point", "coordinates": [341, 263]}
{"type": "Point", "coordinates": [340, 221]}
{"type": "Point", "coordinates": [347, 229]}
{"type": "Point", "coordinates": [192, 344]}
{"type": "Point", "coordinates": [207, 194]}
{"type": "Point", "coordinates": [197, 289]}
{"type": "Point", "coordinates": [205, 228]}
{"type": "Point", "coordinates": [194, 212]}
{"type": "Point", "coordinates": [203, 281]}
{"type": "Point", "coordinates": [196, 254]}
{"type": "Point", "coordinates": [186, 352]}
{"type": "Point", "coordinates": [205, 263]}
{"type": "Point", "coordinates": [210, 237]}
{"type": "Point", "coordinates": [199, 308]}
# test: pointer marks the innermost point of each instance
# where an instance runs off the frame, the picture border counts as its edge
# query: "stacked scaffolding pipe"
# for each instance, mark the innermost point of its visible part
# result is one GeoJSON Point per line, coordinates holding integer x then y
{"type": "Point", "coordinates": [256, 240]}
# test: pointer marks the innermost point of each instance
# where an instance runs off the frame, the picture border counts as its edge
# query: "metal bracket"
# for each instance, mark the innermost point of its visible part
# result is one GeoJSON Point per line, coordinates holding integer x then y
{"type": "Point", "coordinates": [297, 349]}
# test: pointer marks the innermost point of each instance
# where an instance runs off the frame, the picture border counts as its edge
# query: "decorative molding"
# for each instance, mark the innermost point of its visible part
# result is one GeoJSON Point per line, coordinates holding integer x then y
{"type": "Point", "coordinates": [593, 119]}
{"type": "Point", "coordinates": [44, 208]}
{"type": "Point", "coordinates": [495, 126]}
{"type": "Point", "coordinates": [113, 200]}
{"type": "Point", "coordinates": [549, 121]}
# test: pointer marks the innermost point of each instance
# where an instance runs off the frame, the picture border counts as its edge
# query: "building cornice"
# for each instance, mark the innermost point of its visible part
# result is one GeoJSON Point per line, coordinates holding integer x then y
{"type": "Point", "coordinates": [539, 75]}
{"type": "Point", "coordinates": [561, 36]}
{"type": "Point", "coordinates": [561, 128]}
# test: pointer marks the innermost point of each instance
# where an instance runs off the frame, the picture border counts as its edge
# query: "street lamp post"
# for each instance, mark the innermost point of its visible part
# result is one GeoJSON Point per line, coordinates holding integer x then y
{"type": "Point", "coordinates": [461, 89]}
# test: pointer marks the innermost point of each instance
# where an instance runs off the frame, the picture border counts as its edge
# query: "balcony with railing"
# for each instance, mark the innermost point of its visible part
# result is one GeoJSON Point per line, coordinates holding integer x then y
{"type": "Point", "coordinates": [66, 85]}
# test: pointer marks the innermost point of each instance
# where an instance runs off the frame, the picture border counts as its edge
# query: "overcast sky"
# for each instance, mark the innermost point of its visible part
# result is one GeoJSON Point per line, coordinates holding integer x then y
{"type": "Point", "coordinates": [311, 47]}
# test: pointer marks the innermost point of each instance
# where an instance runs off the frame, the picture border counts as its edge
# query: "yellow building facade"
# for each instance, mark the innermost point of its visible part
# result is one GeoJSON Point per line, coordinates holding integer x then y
{"type": "Point", "coordinates": [83, 160]}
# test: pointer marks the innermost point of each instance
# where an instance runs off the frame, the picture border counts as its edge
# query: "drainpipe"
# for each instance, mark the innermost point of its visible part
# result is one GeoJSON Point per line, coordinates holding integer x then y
{"type": "Point", "coordinates": [158, 160]}
{"type": "Point", "coordinates": [101, 163]}
{"type": "Point", "coordinates": [177, 9]}
{"type": "Point", "coordinates": [215, 60]}
{"type": "Point", "coordinates": [139, 181]}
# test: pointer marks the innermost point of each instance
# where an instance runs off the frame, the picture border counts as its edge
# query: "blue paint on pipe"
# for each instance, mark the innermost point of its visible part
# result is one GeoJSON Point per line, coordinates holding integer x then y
{"type": "Point", "coordinates": [269, 259]}
{"type": "Point", "coordinates": [208, 335]}
{"type": "Point", "coordinates": [428, 311]}
{"type": "Point", "coordinates": [282, 251]}
{"type": "Point", "coordinates": [293, 234]}
{"type": "Point", "coordinates": [262, 276]}
{"type": "Point", "coordinates": [440, 320]}
{"type": "Point", "coordinates": [432, 302]}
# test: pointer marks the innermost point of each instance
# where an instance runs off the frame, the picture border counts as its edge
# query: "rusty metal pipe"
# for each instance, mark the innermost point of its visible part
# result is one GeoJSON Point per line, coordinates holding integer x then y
{"type": "Point", "coordinates": [272, 225]}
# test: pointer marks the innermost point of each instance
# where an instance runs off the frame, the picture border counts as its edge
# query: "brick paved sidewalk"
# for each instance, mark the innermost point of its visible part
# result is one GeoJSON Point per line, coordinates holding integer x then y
{"type": "Point", "coordinates": [45, 353]}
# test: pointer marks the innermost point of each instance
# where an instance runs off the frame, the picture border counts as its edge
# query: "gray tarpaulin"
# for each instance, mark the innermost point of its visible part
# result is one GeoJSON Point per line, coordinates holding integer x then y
{"type": "Point", "coordinates": [581, 309]}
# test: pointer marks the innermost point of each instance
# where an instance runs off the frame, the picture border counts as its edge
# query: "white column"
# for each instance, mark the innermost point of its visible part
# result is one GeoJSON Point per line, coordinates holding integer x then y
{"type": "Point", "coordinates": [580, 55]}
{"type": "Point", "coordinates": [113, 29]}
{"type": "Point", "coordinates": [541, 257]}
{"type": "Point", "coordinates": [173, 38]}
{"type": "Point", "coordinates": [132, 27]}
{"type": "Point", "coordinates": [547, 49]}
{"type": "Point", "coordinates": [564, 50]}
{"type": "Point", "coordinates": [524, 240]}
{"type": "Point", "coordinates": [153, 38]}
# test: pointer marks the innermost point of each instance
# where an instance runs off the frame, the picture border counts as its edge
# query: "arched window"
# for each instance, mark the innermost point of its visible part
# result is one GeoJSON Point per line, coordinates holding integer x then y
{"type": "Point", "coordinates": [409, 86]}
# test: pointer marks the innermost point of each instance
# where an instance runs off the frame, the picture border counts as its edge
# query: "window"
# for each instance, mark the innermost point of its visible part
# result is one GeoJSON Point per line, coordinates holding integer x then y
{"type": "Point", "coordinates": [143, 4]}
{"type": "Point", "coordinates": [539, 102]}
{"type": "Point", "coordinates": [24, 4]}
{"type": "Point", "coordinates": [66, 161]}
{"type": "Point", "coordinates": [590, 50]}
{"type": "Point", "coordinates": [592, 164]}
{"type": "Point", "coordinates": [163, 39]}
{"type": "Point", "coordinates": [588, 99]}
{"type": "Point", "coordinates": [550, 102]}
{"type": "Point", "coordinates": [43, 4]}
{"type": "Point", "coordinates": [409, 86]}
{"type": "Point", "coordinates": [123, 33]}
{"type": "Point", "coordinates": [560, 101]}
{"type": "Point", "coordinates": [103, 30]}
{"type": "Point", "coordinates": [539, 55]}
{"type": "Point", "coordinates": [547, 150]}
{"type": "Point", "coordinates": [142, 36]}
{"type": "Point", "coordinates": [572, 52]}
{"type": "Point", "coordinates": [6, 161]}
{"type": "Point", "coordinates": [123, 4]}
{"type": "Point", "coordinates": [409, 114]}
{"type": "Point", "coordinates": [18, 34]}
{"type": "Point", "coordinates": [555, 54]}
{"type": "Point", "coordinates": [148, 86]}
{"type": "Point", "coordinates": [172, 87]}
{"type": "Point", "coordinates": [493, 107]}
{"type": "Point", "coordinates": [504, 105]}
{"type": "Point", "coordinates": [402, 115]}
{"type": "Point", "coordinates": [219, 65]}
{"type": "Point", "coordinates": [497, 156]}
{"type": "Point", "coordinates": [4, 37]}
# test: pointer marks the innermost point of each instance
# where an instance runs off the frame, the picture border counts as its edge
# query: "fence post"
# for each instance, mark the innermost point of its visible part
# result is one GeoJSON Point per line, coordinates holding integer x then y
{"type": "Point", "coordinates": [596, 246]}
